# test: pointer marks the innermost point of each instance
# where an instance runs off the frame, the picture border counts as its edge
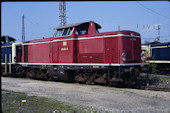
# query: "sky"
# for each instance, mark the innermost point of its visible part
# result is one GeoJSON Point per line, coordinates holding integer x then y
{"type": "Point", "coordinates": [41, 17]}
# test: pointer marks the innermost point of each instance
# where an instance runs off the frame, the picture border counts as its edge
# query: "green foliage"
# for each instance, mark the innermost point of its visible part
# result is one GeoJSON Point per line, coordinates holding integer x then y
{"type": "Point", "coordinates": [12, 102]}
{"type": "Point", "coordinates": [154, 67]}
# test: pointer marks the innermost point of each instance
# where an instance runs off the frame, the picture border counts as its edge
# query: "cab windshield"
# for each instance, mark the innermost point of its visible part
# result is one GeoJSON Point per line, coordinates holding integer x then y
{"type": "Point", "coordinates": [63, 32]}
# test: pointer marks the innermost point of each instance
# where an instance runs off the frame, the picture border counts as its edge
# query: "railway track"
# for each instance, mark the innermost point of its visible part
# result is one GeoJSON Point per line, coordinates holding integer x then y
{"type": "Point", "coordinates": [156, 88]}
{"type": "Point", "coordinates": [140, 87]}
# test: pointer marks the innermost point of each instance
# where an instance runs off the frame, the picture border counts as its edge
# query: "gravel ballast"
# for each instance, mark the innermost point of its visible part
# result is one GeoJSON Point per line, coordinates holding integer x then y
{"type": "Point", "coordinates": [94, 96]}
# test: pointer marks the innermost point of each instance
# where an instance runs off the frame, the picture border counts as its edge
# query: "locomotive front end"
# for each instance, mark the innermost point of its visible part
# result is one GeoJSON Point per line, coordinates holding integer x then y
{"type": "Point", "coordinates": [130, 57]}
{"type": "Point", "coordinates": [130, 47]}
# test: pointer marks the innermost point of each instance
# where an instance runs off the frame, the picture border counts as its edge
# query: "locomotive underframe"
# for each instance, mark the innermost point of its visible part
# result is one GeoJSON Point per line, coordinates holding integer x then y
{"type": "Point", "coordinates": [79, 73]}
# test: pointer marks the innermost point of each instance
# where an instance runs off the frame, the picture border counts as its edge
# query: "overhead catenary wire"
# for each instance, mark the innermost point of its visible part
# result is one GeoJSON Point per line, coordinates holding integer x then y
{"type": "Point", "coordinates": [37, 23]}
{"type": "Point", "coordinates": [153, 36]}
{"type": "Point", "coordinates": [39, 27]}
{"type": "Point", "coordinates": [44, 27]}
{"type": "Point", "coordinates": [135, 26]}
{"type": "Point", "coordinates": [152, 10]}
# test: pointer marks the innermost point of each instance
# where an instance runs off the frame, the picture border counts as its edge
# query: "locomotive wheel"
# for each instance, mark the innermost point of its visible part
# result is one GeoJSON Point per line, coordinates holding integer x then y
{"type": "Point", "coordinates": [48, 78]}
{"type": "Point", "coordinates": [18, 71]}
{"type": "Point", "coordinates": [80, 78]}
{"type": "Point", "coordinates": [100, 78]}
{"type": "Point", "coordinates": [2, 72]}
{"type": "Point", "coordinates": [70, 76]}
{"type": "Point", "coordinates": [110, 84]}
{"type": "Point", "coordinates": [90, 79]}
{"type": "Point", "coordinates": [31, 73]}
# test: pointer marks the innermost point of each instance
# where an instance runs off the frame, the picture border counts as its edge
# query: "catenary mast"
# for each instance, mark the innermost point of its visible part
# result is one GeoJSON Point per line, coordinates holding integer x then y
{"type": "Point", "coordinates": [62, 13]}
{"type": "Point", "coordinates": [23, 29]}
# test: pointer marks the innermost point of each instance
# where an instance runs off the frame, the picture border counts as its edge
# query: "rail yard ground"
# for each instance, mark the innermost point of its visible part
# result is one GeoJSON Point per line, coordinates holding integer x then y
{"type": "Point", "coordinates": [87, 97]}
{"type": "Point", "coordinates": [17, 102]}
{"type": "Point", "coordinates": [161, 81]}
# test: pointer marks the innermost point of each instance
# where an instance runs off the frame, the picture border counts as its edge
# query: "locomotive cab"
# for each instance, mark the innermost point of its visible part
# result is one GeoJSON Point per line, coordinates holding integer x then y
{"type": "Point", "coordinates": [6, 48]}
{"type": "Point", "coordinates": [87, 28]}
{"type": "Point", "coordinates": [6, 40]}
{"type": "Point", "coordinates": [74, 30]}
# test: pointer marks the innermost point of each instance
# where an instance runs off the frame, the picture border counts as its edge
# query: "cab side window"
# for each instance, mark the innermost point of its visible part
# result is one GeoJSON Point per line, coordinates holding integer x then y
{"type": "Point", "coordinates": [64, 32]}
{"type": "Point", "coordinates": [82, 30]}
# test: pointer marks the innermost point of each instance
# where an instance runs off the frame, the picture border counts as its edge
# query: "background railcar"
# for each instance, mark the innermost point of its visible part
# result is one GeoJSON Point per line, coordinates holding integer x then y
{"type": "Point", "coordinates": [158, 54]}
{"type": "Point", "coordinates": [11, 53]}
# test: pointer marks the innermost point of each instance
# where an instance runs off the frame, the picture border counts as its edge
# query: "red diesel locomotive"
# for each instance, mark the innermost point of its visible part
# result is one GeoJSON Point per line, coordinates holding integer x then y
{"type": "Point", "coordinates": [78, 52]}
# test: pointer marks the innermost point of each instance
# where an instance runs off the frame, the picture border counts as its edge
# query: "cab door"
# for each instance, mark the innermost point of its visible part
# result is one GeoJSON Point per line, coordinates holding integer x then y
{"type": "Point", "coordinates": [55, 52]}
{"type": "Point", "coordinates": [111, 50]}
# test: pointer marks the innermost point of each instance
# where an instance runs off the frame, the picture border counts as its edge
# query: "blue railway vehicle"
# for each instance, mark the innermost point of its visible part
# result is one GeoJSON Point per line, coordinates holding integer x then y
{"type": "Point", "coordinates": [11, 53]}
{"type": "Point", "coordinates": [6, 48]}
{"type": "Point", "coordinates": [159, 54]}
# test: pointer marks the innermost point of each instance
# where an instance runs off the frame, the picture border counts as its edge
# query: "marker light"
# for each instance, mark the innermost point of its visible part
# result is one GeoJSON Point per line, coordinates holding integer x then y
{"type": "Point", "coordinates": [123, 56]}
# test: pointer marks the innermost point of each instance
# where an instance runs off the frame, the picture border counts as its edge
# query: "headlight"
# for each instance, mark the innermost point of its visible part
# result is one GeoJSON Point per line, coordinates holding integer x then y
{"type": "Point", "coordinates": [123, 56]}
{"type": "Point", "coordinates": [15, 59]}
{"type": "Point", "coordinates": [142, 56]}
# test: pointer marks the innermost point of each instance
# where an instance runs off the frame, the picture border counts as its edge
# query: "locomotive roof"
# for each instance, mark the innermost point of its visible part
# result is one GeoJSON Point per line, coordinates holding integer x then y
{"type": "Point", "coordinates": [77, 24]}
{"type": "Point", "coordinates": [10, 38]}
{"type": "Point", "coordinates": [160, 44]}
{"type": "Point", "coordinates": [153, 44]}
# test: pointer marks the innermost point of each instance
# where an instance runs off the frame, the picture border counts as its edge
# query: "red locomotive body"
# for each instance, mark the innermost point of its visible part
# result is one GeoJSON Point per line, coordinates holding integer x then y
{"type": "Point", "coordinates": [86, 48]}
{"type": "Point", "coordinates": [79, 52]}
